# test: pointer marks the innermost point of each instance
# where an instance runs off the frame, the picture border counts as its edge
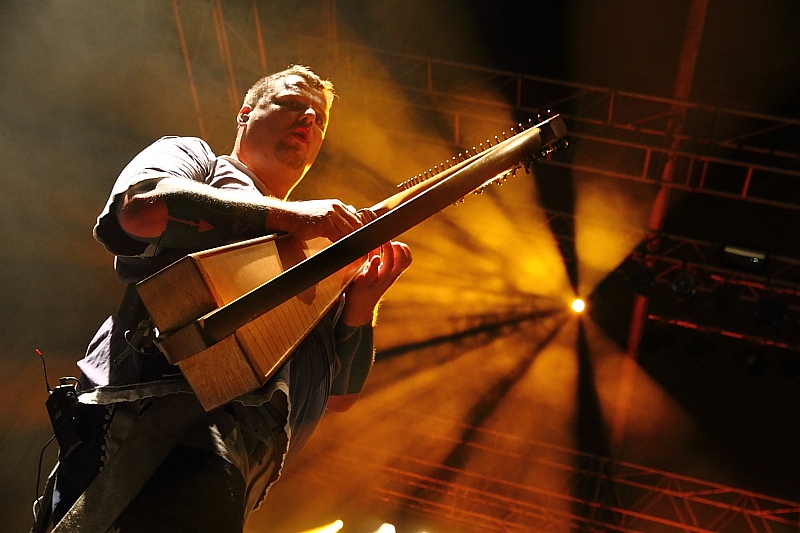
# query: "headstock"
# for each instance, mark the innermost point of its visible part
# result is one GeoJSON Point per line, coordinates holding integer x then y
{"type": "Point", "coordinates": [552, 133]}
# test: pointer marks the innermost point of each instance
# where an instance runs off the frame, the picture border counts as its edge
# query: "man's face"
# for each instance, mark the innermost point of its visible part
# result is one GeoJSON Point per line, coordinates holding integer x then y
{"type": "Point", "coordinates": [284, 132]}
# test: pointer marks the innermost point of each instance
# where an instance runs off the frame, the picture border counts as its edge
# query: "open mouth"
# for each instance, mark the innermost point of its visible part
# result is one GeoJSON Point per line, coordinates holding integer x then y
{"type": "Point", "coordinates": [301, 134]}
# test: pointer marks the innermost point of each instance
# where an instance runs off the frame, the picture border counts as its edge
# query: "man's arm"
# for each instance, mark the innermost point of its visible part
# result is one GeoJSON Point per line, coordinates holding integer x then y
{"type": "Point", "coordinates": [354, 357]}
{"type": "Point", "coordinates": [178, 213]}
{"type": "Point", "coordinates": [354, 348]}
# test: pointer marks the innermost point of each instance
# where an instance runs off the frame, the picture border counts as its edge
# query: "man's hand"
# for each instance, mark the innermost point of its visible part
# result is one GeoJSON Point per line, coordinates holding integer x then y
{"type": "Point", "coordinates": [380, 271]}
{"type": "Point", "coordinates": [305, 220]}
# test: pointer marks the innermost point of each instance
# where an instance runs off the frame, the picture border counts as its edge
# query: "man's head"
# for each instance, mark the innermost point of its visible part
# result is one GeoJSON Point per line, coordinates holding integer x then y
{"type": "Point", "coordinates": [282, 123]}
{"type": "Point", "coordinates": [267, 84]}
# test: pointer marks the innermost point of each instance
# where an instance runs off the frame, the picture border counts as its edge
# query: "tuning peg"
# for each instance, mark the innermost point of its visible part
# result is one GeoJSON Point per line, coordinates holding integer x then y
{"type": "Point", "coordinates": [528, 165]}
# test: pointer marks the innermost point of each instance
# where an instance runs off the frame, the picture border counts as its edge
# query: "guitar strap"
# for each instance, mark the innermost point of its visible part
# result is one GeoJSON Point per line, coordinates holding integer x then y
{"type": "Point", "coordinates": [153, 437]}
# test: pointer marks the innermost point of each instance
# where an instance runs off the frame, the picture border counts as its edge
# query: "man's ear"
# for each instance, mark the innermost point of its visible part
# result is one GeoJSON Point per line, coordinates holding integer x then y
{"type": "Point", "coordinates": [244, 114]}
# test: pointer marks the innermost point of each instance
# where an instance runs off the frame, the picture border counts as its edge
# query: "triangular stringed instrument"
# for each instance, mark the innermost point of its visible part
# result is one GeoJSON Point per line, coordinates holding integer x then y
{"type": "Point", "coordinates": [230, 316]}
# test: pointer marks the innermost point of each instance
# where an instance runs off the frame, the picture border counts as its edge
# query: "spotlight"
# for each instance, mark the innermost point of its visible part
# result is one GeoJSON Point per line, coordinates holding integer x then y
{"type": "Point", "coordinates": [333, 527]}
{"type": "Point", "coordinates": [745, 259]}
{"type": "Point", "coordinates": [578, 305]}
{"type": "Point", "coordinates": [684, 284]}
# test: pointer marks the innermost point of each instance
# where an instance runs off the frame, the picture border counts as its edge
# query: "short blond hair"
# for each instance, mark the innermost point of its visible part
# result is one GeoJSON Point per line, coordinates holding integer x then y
{"type": "Point", "coordinates": [266, 85]}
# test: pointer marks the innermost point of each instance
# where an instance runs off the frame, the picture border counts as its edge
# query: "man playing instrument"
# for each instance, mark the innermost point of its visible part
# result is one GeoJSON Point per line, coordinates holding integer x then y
{"type": "Point", "coordinates": [177, 197]}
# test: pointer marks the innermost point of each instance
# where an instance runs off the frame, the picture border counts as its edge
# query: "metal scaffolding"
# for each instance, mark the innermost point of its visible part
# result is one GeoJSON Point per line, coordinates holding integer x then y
{"type": "Point", "coordinates": [603, 495]}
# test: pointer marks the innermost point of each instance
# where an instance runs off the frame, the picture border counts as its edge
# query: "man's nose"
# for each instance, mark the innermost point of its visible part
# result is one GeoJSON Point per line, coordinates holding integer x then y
{"type": "Point", "coordinates": [309, 115]}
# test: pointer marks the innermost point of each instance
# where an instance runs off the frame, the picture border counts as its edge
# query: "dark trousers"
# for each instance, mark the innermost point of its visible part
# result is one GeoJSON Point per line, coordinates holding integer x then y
{"type": "Point", "coordinates": [194, 489]}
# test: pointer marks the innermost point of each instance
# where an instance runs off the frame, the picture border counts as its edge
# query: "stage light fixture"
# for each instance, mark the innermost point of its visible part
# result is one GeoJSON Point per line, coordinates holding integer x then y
{"type": "Point", "coordinates": [684, 284]}
{"type": "Point", "coordinates": [578, 305]}
{"type": "Point", "coordinates": [745, 259]}
{"type": "Point", "coordinates": [333, 527]}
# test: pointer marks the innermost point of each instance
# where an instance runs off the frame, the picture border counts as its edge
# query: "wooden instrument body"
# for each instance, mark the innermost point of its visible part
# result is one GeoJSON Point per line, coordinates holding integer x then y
{"type": "Point", "coordinates": [214, 278]}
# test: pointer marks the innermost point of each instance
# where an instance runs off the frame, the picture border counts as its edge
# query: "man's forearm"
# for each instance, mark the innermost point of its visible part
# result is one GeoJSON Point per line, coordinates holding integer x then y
{"type": "Point", "coordinates": [354, 348]}
{"type": "Point", "coordinates": [178, 213]}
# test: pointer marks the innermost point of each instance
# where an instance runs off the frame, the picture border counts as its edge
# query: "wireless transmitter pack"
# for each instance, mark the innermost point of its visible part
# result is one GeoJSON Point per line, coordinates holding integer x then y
{"type": "Point", "coordinates": [62, 407]}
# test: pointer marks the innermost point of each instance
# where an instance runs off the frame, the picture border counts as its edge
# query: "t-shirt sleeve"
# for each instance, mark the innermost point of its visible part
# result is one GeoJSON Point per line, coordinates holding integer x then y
{"type": "Point", "coordinates": [183, 157]}
{"type": "Point", "coordinates": [356, 353]}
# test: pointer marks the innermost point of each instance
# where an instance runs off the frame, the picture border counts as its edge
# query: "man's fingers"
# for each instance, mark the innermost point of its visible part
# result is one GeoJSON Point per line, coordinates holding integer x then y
{"type": "Point", "coordinates": [372, 269]}
{"type": "Point", "coordinates": [401, 256]}
{"type": "Point", "coordinates": [394, 258]}
{"type": "Point", "coordinates": [366, 215]}
{"type": "Point", "coordinates": [387, 257]}
{"type": "Point", "coordinates": [344, 219]}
